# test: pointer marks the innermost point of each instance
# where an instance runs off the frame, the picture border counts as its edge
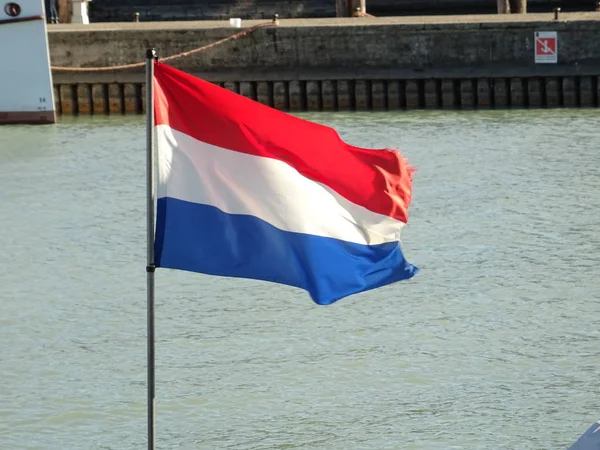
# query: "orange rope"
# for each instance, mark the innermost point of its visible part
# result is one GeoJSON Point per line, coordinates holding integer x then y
{"type": "Point", "coordinates": [168, 58]}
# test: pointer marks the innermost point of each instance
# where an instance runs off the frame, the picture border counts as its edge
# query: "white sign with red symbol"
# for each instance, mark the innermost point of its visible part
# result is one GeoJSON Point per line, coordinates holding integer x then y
{"type": "Point", "coordinates": [546, 47]}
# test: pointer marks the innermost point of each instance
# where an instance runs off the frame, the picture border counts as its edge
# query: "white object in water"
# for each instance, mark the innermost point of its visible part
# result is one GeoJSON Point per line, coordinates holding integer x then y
{"type": "Point", "coordinates": [235, 22]}
{"type": "Point", "coordinates": [26, 94]}
{"type": "Point", "coordinates": [80, 12]}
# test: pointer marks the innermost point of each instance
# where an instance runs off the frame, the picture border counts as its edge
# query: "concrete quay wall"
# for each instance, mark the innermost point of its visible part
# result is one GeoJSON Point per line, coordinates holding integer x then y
{"type": "Point", "coordinates": [305, 63]}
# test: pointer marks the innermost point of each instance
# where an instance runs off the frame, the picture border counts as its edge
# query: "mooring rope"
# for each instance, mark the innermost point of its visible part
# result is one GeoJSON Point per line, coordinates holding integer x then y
{"type": "Point", "coordinates": [168, 58]}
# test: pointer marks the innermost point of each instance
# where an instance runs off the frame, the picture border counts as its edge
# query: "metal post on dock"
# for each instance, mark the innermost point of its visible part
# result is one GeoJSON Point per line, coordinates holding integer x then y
{"type": "Point", "coordinates": [357, 6]}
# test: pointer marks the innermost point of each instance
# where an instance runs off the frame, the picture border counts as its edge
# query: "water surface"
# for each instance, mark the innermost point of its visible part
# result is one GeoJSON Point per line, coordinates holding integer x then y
{"type": "Point", "coordinates": [492, 346]}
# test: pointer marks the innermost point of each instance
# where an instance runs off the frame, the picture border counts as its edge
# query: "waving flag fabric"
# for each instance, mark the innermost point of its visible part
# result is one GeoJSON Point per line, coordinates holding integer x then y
{"type": "Point", "coordinates": [247, 191]}
{"type": "Point", "coordinates": [590, 440]}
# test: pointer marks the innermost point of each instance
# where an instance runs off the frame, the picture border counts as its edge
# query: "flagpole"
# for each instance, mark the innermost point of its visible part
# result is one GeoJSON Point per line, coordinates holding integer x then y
{"type": "Point", "coordinates": [150, 267]}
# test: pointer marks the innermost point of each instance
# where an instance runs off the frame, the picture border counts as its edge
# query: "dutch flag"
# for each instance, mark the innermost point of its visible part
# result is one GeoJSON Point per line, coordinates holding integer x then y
{"type": "Point", "coordinates": [247, 191]}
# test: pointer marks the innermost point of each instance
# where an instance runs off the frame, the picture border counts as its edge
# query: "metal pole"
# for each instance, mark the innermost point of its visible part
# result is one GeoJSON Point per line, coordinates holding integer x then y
{"type": "Point", "coordinates": [150, 56]}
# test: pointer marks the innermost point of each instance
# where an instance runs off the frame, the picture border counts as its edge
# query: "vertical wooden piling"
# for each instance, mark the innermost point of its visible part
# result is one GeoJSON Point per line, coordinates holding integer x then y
{"type": "Point", "coordinates": [534, 92]}
{"type": "Point", "coordinates": [517, 93]}
{"type": "Point", "coordinates": [246, 89]}
{"type": "Point", "coordinates": [232, 86]}
{"type": "Point", "coordinates": [313, 95]}
{"type": "Point", "coordinates": [343, 95]}
{"type": "Point", "coordinates": [100, 98]}
{"type": "Point", "coordinates": [569, 91]}
{"type": "Point", "coordinates": [501, 94]}
{"type": "Point", "coordinates": [129, 98]}
{"type": "Point", "coordinates": [412, 94]}
{"type": "Point", "coordinates": [467, 97]}
{"type": "Point", "coordinates": [431, 94]}
{"type": "Point", "coordinates": [586, 97]}
{"type": "Point", "coordinates": [393, 94]}
{"type": "Point", "coordinates": [67, 100]}
{"type": "Point", "coordinates": [262, 93]}
{"type": "Point", "coordinates": [115, 98]}
{"type": "Point", "coordinates": [328, 95]}
{"type": "Point", "coordinates": [378, 95]}
{"type": "Point", "coordinates": [84, 98]}
{"type": "Point", "coordinates": [448, 94]}
{"type": "Point", "coordinates": [552, 93]}
{"type": "Point", "coordinates": [295, 95]}
{"type": "Point", "coordinates": [483, 93]}
{"type": "Point", "coordinates": [361, 94]}
{"type": "Point", "coordinates": [57, 106]}
{"type": "Point", "coordinates": [280, 100]}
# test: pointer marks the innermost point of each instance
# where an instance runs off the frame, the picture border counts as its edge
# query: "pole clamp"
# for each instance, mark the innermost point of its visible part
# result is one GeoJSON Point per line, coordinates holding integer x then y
{"type": "Point", "coordinates": [150, 268]}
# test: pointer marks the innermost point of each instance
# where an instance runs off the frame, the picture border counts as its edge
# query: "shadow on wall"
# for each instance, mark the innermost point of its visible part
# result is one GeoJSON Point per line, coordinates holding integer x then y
{"type": "Point", "coordinates": [448, 7]}
{"type": "Point", "coordinates": [155, 10]}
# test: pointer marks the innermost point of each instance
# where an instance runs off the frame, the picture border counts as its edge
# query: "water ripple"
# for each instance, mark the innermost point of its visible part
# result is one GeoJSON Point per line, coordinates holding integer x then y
{"type": "Point", "coordinates": [492, 346]}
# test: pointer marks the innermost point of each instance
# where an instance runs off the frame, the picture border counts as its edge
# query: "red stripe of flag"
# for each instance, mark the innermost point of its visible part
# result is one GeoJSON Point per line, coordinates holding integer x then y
{"type": "Point", "coordinates": [379, 180]}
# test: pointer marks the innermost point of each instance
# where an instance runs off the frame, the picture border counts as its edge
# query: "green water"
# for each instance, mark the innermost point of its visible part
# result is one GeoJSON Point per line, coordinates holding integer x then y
{"type": "Point", "coordinates": [492, 346]}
